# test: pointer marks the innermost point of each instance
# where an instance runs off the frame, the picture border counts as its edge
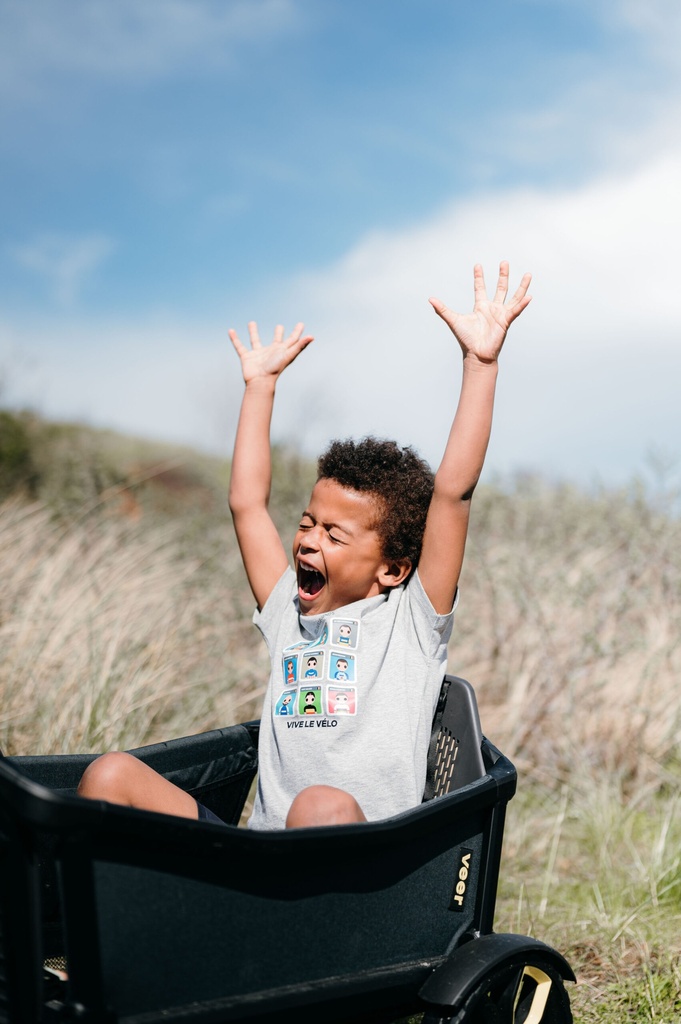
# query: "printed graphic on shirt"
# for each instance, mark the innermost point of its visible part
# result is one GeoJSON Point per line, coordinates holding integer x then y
{"type": "Point", "coordinates": [342, 666]}
{"type": "Point", "coordinates": [345, 632]}
{"type": "Point", "coordinates": [286, 705]}
{"type": "Point", "coordinates": [290, 666]}
{"type": "Point", "coordinates": [320, 676]}
{"type": "Point", "coordinates": [341, 700]}
{"type": "Point", "coordinates": [313, 665]}
{"type": "Point", "coordinates": [310, 700]}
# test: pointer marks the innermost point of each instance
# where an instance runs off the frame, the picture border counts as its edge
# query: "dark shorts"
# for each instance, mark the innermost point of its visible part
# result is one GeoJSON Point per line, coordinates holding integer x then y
{"type": "Point", "coordinates": [205, 814]}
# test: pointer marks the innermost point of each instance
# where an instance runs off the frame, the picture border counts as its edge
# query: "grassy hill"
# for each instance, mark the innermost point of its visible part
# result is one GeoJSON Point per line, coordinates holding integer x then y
{"type": "Point", "coordinates": [125, 618]}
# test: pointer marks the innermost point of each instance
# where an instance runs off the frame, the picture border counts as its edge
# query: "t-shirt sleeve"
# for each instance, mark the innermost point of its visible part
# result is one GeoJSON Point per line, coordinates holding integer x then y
{"type": "Point", "coordinates": [433, 628]}
{"type": "Point", "coordinates": [269, 616]}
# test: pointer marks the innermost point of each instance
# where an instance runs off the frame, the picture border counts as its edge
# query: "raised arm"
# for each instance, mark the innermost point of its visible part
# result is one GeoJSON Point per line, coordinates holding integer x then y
{"type": "Point", "coordinates": [481, 335]}
{"type": "Point", "coordinates": [262, 550]}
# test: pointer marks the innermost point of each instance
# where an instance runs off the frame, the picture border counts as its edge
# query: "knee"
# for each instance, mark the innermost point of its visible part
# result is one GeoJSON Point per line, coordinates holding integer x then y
{"type": "Point", "coordinates": [323, 805]}
{"type": "Point", "coordinates": [109, 777]}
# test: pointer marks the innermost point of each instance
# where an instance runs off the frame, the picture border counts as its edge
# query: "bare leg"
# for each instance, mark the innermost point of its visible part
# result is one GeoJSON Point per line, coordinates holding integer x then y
{"type": "Point", "coordinates": [123, 779]}
{"type": "Point", "coordinates": [323, 805]}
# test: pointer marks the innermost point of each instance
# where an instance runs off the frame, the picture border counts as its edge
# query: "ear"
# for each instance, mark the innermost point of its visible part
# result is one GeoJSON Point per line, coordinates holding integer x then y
{"type": "Point", "coordinates": [394, 573]}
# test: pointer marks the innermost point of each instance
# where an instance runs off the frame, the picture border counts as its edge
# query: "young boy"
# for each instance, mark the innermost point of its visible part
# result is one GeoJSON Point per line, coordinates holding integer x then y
{"type": "Point", "coordinates": [369, 601]}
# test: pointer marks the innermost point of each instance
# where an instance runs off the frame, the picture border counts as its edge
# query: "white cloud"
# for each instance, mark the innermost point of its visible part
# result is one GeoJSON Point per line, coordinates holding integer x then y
{"type": "Point", "coordinates": [128, 39]}
{"type": "Point", "coordinates": [586, 385]}
{"type": "Point", "coordinates": [659, 21]}
{"type": "Point", "coordinates": [64, 262]}
{"type": "Point", "coordinates": [607, 103]}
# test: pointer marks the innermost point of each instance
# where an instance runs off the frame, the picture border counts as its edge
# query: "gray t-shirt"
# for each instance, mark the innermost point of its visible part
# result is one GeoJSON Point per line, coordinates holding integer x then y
{"type": "Point", "coordinates": [350, 699]}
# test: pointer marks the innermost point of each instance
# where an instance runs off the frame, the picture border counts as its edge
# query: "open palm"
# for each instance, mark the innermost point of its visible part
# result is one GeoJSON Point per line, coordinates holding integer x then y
{"type": "Point", "coordinates": [483, 331]}
{"type": "Point", "coordinates": [269, 360]}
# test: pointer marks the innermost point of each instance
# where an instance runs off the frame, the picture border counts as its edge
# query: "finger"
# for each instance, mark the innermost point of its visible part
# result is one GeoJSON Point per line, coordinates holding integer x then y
{"type": "Point", "coordinates": [521, 291]}
{"type": "Point", "coordinates": [237, 342]}
{"type": "Point", "coordinates": [302, 343]}
{"type": "Point", "coordinates": [516, 310]}
{"type": "Point", "coordinates": [443, 311]}
{"type": "Point", "coordinates": [278, 336]}
{"type": "Point", "coordinates": [295, 333]}
{"type": "Point", "coordinates": [502, 283]}
{"type": "Point", "coordinates": [253, 334]}
{"type": "Point", "coordinates": [479, 289]}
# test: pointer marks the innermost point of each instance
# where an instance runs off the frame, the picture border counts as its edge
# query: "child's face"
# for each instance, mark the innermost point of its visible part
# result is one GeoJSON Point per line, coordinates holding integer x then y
{"type": "Point", "coordinates": [336, 551]}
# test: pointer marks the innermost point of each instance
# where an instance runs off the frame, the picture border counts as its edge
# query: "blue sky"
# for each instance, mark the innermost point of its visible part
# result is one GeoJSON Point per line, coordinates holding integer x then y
{"type": "Point", "coordinates": [176, 167]}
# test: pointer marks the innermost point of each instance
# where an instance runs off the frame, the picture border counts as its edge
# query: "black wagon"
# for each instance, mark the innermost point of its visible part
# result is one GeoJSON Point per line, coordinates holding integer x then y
{"type": "Point", "coordinates": [162, 919]}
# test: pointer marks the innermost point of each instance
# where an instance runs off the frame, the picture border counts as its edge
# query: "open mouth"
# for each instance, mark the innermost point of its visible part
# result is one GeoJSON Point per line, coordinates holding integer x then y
{"type": "Point", "coordinates": [310, 582]}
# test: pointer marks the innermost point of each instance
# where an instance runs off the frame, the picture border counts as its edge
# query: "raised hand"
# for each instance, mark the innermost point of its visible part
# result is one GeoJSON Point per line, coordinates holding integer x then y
{"type": "Point", "coordinates": [269, 360]}
{"type": "Point", "coordinates": [482, 332]}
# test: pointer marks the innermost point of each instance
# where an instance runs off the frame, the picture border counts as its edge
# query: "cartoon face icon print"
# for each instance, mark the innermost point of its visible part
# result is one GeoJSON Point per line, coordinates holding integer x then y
{"type": "Point", "coordinates": [310, 703]}
{"type": "Point", "coordinates": [341, 669]}
{"type": "Point", "coordinates": [344, 633]}
{"type": "Point", "coordinates": [342, 700]}
{"type": "Point", "coordinates": [285, 706]}
{"type": "Point", "coordinates": [342, 704]}
{"type": "Point", "coordinates": [311, 670]}
{"type": "Point", "coordinates": [342, 666]}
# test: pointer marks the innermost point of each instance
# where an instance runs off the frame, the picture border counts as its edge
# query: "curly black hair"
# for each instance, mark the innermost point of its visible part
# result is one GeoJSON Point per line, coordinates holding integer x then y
{"type": "Point", "coordinates": [399, 480]}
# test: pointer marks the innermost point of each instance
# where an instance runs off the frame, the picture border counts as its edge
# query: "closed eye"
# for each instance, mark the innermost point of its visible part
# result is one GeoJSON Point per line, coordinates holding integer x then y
{"type": "Point", "coordinates": [308, 523]}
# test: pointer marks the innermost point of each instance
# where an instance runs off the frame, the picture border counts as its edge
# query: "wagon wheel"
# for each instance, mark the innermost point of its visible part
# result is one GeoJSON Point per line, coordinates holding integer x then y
{"type": "Point", "coordinates": [529, 994]}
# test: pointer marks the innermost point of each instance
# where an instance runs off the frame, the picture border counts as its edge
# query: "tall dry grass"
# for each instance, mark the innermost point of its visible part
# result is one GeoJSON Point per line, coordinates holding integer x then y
{"type": "Point", "coordinates": [116, 631]}
{"type": "Point", "coordinates": [569, 627]}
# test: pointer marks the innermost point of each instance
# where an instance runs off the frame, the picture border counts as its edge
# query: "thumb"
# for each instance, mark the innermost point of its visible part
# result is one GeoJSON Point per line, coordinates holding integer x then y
{"type": "Point", "coordinates": [443, 311]}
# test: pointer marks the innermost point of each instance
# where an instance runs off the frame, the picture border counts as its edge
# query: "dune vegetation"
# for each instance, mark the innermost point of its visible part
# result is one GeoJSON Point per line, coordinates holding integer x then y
{"type": "Point", "coordinates": [125, 618]}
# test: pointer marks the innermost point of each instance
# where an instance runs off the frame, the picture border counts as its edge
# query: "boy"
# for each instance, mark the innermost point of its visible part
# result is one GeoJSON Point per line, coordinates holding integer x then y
{"type": "Point", "coordinates": [380, 547]}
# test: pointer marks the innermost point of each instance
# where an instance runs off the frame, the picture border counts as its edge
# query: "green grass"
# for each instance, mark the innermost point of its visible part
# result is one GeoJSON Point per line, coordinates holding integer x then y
{"type": "Point", "coordinates": [597, 875]}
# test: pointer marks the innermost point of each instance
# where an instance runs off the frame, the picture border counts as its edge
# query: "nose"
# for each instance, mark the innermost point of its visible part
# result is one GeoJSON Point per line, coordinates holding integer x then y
{"type": "Point", "coordinates": [309, 540]}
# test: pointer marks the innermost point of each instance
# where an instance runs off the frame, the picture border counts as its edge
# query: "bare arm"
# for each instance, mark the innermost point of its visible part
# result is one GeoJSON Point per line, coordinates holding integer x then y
{"type": "Point", "coordinates": [262, 550]}
{"type": "Point", "coordinates": [481, 335]}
